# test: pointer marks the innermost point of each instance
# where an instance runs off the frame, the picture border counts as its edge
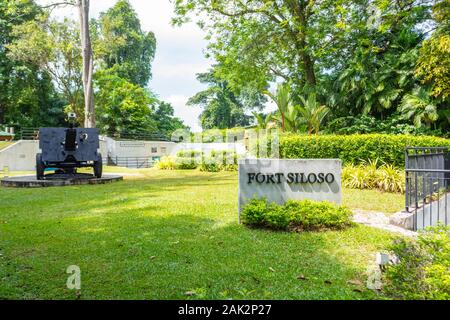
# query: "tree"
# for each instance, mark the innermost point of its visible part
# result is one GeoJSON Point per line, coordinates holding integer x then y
{"type": "Point", "coordinates": [282, 98]}
{"type": "Point", "coordinates": [434, 60]}
{"type": "Point", "coordinates": [27, 94]}
{"type": "Point", "coordinates": [122, 45]}
{"type": "Point", "coordinates": [419, 106]}
{"type": "Point", "coordinates": [223, 107]}
{"type": "Point", "coordinates": [88, 64]}
{"type": "Point", "coordinates": [262, 120]}
{"type": "Point", "coordinates": [123, 107]}
{"type": "Point", "coordinates": [312, 113]}
{"type": "Point", "coordinates": [166, 123]}
{"type": "Point", "coordinates": [53, 47]}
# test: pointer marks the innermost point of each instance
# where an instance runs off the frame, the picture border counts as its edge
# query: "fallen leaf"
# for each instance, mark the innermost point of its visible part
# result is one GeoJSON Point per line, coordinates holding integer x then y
{"type": "Point", "coordinates": [189, 293]}
{"type": "Point", "coordinates": [152, 257]}
{"type": "Point", "coordinates": [271, 269]}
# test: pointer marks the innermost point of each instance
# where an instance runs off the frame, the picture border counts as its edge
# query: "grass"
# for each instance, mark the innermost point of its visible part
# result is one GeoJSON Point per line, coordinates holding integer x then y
{"type": "Point", "coordinates": [160, 234]}
{"type": "Point", "coordinates": [4, 144]}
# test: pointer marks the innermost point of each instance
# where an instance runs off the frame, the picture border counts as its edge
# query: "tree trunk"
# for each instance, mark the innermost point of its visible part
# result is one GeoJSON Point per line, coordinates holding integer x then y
{"type": "Point", "coordinates": [88, 64]}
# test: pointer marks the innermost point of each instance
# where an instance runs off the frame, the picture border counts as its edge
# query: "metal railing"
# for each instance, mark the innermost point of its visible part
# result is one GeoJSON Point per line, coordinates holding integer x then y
{"type": "Point", "coordinates": [28, 134]}
{"type": "Point", "coordinates": [33, 134]}
{"type": "Point", "coordinates": [428, 185]}
{"type": "Point", "coordinates": [141, 136]}
{"type": "Point", "coordinates": [132, 162]}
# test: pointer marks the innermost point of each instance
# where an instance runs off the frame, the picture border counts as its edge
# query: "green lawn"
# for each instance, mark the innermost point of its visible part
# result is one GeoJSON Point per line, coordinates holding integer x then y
{"type": "Point", "coordinates": [160, 234]}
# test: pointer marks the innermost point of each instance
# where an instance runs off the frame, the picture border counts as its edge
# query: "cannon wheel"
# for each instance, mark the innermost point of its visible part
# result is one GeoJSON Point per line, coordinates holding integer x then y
{"type": "Point", "coordinates": [98, 167]}
{"type": "Point", "coordinates": [40, 167]}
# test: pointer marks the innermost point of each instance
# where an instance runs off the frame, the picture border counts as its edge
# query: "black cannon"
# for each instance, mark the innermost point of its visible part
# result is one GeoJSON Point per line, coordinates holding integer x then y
{"type": "Point", "coordinates": [66, 149]}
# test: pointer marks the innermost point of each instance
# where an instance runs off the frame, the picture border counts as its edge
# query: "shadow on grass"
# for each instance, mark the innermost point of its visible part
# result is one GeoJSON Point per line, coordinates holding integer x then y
{"type": "Point", "coordinates": [161, 237]}
{"type": "Point", "coordinates": [151, 257]}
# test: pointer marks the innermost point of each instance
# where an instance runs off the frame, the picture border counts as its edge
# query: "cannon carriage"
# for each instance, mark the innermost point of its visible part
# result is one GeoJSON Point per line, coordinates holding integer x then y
{"type": "Point", "coordinates": [66, 149]}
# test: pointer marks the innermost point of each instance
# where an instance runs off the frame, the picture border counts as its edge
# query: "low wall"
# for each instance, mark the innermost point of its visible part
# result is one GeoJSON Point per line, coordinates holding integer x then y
{"type": "Point", "coordinates": [138, 149]}
{"type": "Point", "coordinates": [21, 156]}
{"type": "Point", "coordinates": [208, 147]}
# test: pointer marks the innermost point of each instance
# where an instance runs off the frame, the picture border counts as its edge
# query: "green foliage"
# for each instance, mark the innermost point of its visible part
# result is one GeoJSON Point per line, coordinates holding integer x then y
{"type": "Point", "coordinates": [27, 94]}
{"type": "Point", "coordinates": [296, 215]}
{"type": "Point", "coordinates": [369, 175]}
{"type": "Point", "coordinates": [122, 45]}
{"type": "Point", "coordinates": [222, 106]}
{"type": "Point", "coordinates": [217, 160]}
{"type": "Point", "coordinates": [354, 149]}
{"type": "Point", "coordinates": [166, 123]}
{"type": "Point", "coordinates": [123, 107]}
{"type": "Point", "coordinates": [358, 56]}
{"type": "Point", "coordinates": [419, 106]}
{"type": "Point", "coordinates": [422, 271]}
{"type": "Point", "coordinates": [432, 65]}
{"type": "Point", "coordinates": [166, 163]}
{"type": "Point", "coordinates": [367, 124]}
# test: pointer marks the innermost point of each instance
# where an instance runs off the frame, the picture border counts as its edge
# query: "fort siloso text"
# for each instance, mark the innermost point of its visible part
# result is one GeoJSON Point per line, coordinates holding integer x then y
{"type": "Point", "coordinates": [290, 178]}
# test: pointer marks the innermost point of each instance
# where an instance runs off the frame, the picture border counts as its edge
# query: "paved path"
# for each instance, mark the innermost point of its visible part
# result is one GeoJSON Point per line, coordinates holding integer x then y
{"type": "Point", "coordinates": [379, 220]}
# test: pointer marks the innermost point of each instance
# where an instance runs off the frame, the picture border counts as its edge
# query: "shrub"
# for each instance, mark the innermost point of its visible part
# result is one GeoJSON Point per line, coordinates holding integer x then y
{"type": "Point", "coordinates": [296, 215]}
{"type": "Point", "coordinates": [209, 165]}
{"type": "Point", "coordinates": [313, 215]}
{"type": "Point", "coordinates": [166, 163]}
{"type": "Point", "coordinates": [423, 268]}
{"type": "Point", "coordinates": [364, 124]}
{"type": "Point", "coordinates": [354, 149]}
{"type": "Point", "coordinates": [384, 178]}
{"type": "Point", "coordinates": [189, 154]}
{"type": "Point", "coordinates": [187, 163]}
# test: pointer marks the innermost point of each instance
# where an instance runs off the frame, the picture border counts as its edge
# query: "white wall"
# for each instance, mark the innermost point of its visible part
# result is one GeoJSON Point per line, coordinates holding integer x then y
{"type": "Point", "coordinates": [21, 156]}
{"type": "Point", "coordinates": [148, 149]}
{"type": "Point", "coordinates": [208, 147]}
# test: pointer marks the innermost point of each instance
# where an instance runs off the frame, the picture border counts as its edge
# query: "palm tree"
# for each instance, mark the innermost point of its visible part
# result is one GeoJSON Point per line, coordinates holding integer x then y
{"type": "Point", "coordinates": [312, 113]}
{"type": "Point", "coordinates": [282, 98]}
{"type": "Point", "coordinates": [419, 106]}
{"type": "Point", "coordinates": [262, 121]}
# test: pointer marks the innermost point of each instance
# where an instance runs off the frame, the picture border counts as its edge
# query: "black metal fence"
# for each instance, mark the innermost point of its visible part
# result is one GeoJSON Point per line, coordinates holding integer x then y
{"type": "Point", "coordinates": [428, 185]}
{"type": "Point", "coordinates": [132, 162]}
{"type": "Point", "coordinates": [33, 134]}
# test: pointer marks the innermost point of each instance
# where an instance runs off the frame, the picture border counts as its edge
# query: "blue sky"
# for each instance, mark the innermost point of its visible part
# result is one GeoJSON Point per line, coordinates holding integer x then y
{"type": "Point", "coordinates": [179, 53]}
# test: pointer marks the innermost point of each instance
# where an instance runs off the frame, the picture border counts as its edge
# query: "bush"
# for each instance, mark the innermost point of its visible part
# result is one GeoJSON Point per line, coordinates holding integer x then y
{"type": "Point", "coordinates": [385, 178]}
{"type": "Point", "coordinates": [368, 124]}
{"type": "Point", "coordinates": [423, 268]}
{"type": "Point", "coordinates": [187, 163]}
{"type": "Point", "coordinates": [296, 215]}
{"type": "Point", "coordinates": [355, 149]}
{"type": "Point", "coordinates": [189, 154]}
{"type": "Point", "coordinates": [166, 163]}
{"type": "Point", "coordinates": [313, 215]}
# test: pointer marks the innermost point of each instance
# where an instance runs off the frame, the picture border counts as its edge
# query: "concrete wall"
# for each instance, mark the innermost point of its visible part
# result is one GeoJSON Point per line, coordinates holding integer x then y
{"type": "Point", "coordinates": [21, 156]}
{"type": "Point", "coordinates": [208, 147]}
{"type": "Point", "coordinates": [130, 149]}
{"type": "Point", "coordinates": [428, 214]}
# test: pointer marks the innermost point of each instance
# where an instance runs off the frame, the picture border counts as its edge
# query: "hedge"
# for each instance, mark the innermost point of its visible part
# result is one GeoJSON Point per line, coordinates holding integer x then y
{"type": "Point", "coordinates": [355, 149]}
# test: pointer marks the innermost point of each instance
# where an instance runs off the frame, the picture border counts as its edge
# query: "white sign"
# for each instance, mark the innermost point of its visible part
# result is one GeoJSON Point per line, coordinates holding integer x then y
{"type": "Point", "coordinates": [279, 180]}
